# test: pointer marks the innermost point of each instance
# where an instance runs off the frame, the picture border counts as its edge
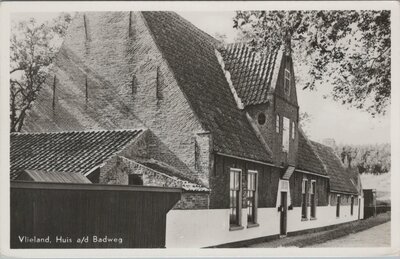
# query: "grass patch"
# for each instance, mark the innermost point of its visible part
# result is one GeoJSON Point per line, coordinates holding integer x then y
{"type": "Point", "coordinates": [340, 231]}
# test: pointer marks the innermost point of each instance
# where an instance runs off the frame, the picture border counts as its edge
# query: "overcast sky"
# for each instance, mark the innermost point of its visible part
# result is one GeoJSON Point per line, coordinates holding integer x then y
{"type": "Point", "coordinates": [329, 119]}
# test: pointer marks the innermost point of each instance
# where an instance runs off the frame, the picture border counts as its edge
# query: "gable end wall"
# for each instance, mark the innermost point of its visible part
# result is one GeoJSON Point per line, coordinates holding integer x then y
{"type": "Point", "coordinates": [129, 85]}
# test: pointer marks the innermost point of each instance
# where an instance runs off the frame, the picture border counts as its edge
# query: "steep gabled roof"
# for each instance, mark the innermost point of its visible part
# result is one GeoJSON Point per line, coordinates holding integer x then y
{"type": "Point", "coordinates": [190, 53]}
{"type": "Point", "coordinates": [77, 152]}
{"type": "Point", "coordinates": [339, 178]}
{"type": "Point", "coordinates": [307, 158]}
{"type": "Point", "coordinates": [251, 75]}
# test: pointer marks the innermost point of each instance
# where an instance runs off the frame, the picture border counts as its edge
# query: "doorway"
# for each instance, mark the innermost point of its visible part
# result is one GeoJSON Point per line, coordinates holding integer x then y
{"type": "Point", "coordinates": [283, 210]}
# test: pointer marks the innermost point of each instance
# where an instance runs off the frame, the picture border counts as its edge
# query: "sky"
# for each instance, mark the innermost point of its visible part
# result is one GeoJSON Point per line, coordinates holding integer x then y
{"type": "Point", "coordinates": [328, 119]}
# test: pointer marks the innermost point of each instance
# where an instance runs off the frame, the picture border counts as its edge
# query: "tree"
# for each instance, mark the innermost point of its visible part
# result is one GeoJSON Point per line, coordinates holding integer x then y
{"type": "Point", "coordinates": [348, 50]}
{"type": "Point", "coordinates": [33, 48]}
{"type": "Point", "coordinates": [368, 159]}
{"type": "Point", "coordinates": [304, 121]}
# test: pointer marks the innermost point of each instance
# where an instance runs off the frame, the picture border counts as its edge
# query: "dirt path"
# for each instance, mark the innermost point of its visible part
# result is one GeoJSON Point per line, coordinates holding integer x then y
{"type": "Point", "coordinates": [377, 236]}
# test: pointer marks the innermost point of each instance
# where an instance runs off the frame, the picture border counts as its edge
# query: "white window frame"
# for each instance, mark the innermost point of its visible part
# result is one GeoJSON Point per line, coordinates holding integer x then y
{"type": "Point", "coordinates": [238, 197]}
{"type": "Point", "coordinates": [285, 137]}
{"type": "Point", "coordinates": [277, 124]}
{"type": "Point", "coordinates": [293, 130]}
{"type": "Point", "coordinates": [287, 77]}
{"type": "Point", "coordinates": [255, 195]}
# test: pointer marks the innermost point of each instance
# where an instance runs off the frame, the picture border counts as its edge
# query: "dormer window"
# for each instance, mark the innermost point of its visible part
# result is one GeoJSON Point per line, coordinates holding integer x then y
{"type": "Point", "coordinates": [261, 118]}
{"type": "Point", "coordinates": [285, 134]}
{"type": "Point", "coordinates": [287, 81]}
{"type": "Point", "coordinates": [277, 128]}
{"type": "Point", "coordinates": [293, 130]}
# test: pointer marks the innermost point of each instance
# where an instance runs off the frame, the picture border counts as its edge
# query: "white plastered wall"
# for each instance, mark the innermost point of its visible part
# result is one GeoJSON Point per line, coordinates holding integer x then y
{"type": "Point", "coordinates": [202, 228]}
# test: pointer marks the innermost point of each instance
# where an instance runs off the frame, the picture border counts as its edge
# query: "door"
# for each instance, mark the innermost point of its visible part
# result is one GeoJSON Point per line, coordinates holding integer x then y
{"type": "Point", "coordinates": [359, 207]}
{"type": "Point", "coordinates": [283, 212]}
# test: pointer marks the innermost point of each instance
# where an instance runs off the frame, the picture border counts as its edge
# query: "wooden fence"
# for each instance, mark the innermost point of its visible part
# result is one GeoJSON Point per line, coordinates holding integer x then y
{"type": "Point", "coordinates": [59, 215]}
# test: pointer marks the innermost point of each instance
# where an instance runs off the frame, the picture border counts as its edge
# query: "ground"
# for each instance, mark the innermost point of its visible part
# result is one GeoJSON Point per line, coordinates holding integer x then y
{"type": "Point", "coordinates": [374, 231]}
{"type": "Point", "coordinates": [374, 237]}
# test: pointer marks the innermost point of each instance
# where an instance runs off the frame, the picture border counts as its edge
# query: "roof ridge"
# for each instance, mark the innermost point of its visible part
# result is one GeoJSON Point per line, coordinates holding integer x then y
{"type": "Point", "coordinates": [78, 131]}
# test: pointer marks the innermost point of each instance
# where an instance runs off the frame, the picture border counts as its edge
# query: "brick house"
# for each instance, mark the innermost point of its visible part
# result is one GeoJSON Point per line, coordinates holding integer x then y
{"type": "Point", "coordinates": [218, 121]}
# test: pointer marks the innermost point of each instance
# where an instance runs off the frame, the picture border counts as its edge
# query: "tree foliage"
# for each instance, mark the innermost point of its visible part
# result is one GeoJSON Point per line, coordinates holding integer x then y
{"type": "Point", "coordinates": [348, 50]}
{"type": "Point", "coordinates": [33, 48]}
{"type": "Point", "coordinates": [368, 159]}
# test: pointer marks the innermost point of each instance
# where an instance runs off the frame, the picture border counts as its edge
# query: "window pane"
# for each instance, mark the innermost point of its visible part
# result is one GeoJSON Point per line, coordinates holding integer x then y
{"type": "Point", "coordinates": [234, 194]}
{"type": "Point", "coordinates": [286, 136]}
{"type": "Point", "coordinates": [293, 130]}
{"type": "Point", "coordinates": [277, 124]}
{"type": "Point", "coordinates": [237, 181]}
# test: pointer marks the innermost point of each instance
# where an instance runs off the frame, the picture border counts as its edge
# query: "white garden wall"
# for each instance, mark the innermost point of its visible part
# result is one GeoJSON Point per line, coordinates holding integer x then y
{"type": "Point", "coordinates": [202, 228]}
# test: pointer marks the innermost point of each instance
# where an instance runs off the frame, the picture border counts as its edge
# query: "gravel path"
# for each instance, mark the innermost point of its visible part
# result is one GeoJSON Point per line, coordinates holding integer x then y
{"type": "Point", "coordinates": [377, 236]}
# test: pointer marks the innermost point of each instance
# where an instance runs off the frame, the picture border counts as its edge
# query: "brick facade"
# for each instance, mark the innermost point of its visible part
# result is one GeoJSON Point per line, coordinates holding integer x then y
{"type": "Point", "coordinates": [118, 169]}
{"type": "Point", "coordinates": [193, 200]}
{"type": "Point", "coordinates": [285, 106]}
{"type": "Point", "coordinates": [322, 195]}
{"type": "Point", "coordinates": [268, 179]}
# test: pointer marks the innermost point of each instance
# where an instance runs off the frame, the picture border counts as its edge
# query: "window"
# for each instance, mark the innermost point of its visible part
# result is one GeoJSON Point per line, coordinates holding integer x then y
{"type": "Point", "coordinates": [287, 81]}
{"type": "Point", "coordinates": [235, 187]}
{"type": "Point", "coordinates": [313, 192]}
{"type": "Point", "coordinates": [261, 118]}
{"type": "Point", "coordinates": [293, 129]}
{"type": "Point", "coordinates": [196, 155]}
{"type": "Point", "coordinates": [252, 196]}
{"type": "Point", "coordinates": [304, 199]}
{"type": "Point", "coordinates": [135, 179]}
{"type": "Point", "coordinates": [285, 134]}
{"type": "Point", "coordinates": [278, 130]}
{"type": "Point", "coordinates": [351, 205]}
{"type": "Point", "coordinates": [338, 206]}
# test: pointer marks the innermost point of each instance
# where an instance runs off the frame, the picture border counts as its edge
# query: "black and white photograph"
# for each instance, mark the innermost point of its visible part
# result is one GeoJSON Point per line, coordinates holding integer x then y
{"type": "Point", "coordinates": [254, 128]}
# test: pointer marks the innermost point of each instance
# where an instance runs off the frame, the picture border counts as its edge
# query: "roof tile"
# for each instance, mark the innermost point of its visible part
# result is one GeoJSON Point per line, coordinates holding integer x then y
{"type": "Point", "coordinates": [339, 177]}
{"type": "Point", "coordinates": [251, 74]}
{"type": "Point", "coordinates": [190, 54]}
{"type": "Point", "coordinates": [73, 151]}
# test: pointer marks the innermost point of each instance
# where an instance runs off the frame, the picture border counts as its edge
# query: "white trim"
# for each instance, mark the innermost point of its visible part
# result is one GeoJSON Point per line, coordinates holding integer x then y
{"type": "Point", "coordinates": [255, 205]}
{"type": "Point", "coordinates": [313, 181]}
{"type": "Point", "coordinates": [276, 68]}
{"type": "Point", "coordinates": [307, 172]}
{"type": "Point", "coordinates": [278, 124]}
{"type": "Point", "coordinates": [247, 159]}
{"type": "Point", "coordinates": [227, 74]}
{"type": "Point", "coordinates": [341, 192]}
{"type": "Point", "coordinates": [239, 197]}
{"type": "Point", "coordinates": [284, 81]}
